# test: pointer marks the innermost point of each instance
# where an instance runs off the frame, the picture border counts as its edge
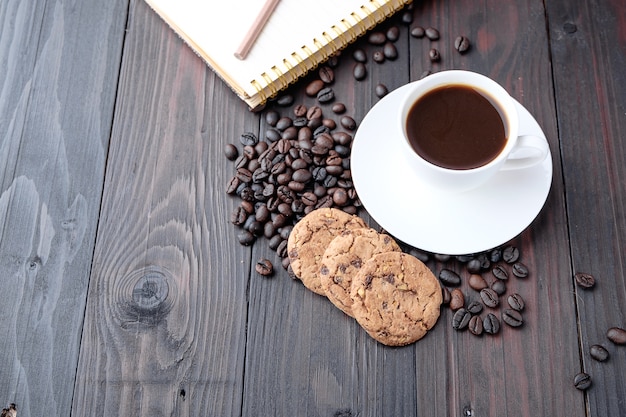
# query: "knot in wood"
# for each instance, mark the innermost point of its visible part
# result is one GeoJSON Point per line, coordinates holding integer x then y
{"type": "Point", "coordinates": [146, 297]}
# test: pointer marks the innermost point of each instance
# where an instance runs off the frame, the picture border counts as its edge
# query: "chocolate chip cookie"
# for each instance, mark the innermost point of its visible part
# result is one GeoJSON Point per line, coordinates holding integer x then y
{"type": "Point", "coordinates": [396, 298]}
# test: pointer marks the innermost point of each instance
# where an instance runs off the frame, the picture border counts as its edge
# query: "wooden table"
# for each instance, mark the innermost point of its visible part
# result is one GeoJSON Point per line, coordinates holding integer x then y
{"type": "Point", "coordinates": [126, 292]}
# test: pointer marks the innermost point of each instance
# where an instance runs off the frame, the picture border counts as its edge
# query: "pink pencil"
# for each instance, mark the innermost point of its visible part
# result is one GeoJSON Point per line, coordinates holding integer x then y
{"type": "Point", "coordinates": [256, 28]}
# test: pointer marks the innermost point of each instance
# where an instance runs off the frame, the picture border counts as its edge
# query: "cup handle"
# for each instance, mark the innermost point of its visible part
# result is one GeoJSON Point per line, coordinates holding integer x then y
{"type": "Point", "coordinates": [528, 151]}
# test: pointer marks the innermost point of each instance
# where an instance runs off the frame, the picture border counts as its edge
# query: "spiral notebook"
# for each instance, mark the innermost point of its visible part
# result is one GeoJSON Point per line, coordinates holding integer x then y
{"type": "Point", "coordinates": [299, 35]}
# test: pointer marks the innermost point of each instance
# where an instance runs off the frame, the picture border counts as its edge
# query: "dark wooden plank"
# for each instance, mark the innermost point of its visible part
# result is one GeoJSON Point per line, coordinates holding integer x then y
{"type": "Point", "coordinates": [59, 68]}
{"type": "Point", "coordinates": [166, 314]}
{"type": "Point", "coordinates": [588, 43]}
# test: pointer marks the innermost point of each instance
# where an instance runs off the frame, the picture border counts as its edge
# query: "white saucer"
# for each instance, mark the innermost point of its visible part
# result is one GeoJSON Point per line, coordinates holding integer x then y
{"type": "Point", "coordinates": [442, 222]}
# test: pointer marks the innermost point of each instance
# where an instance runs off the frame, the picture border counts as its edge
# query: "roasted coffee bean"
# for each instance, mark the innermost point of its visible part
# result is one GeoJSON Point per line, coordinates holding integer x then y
{"type": "Point", "coordinates": [520, 270]}
{"type": "Point", "coordinates": [246, 238]}
{"type": "Point", "coordinates": [300, 121]}
{"type": "Point", "coordinates": [442, 257]}
{"type": "Point", "coordinates": [299, 110]}
{"type": "Point", "coordinates": [484, 261]}
{"type": "Point", "coordinates": [314, 112]}
{"type": "Point", "coordinates": [338, 108]}
{"type": "Point", "coordinates": [271, 117]}
{"type": "Point", "coordinates": [477, 282]}
{"type": "Point", "coordinates": [584, 280]}
{"type": "Point", "coordinates": [329, 123]}
{"type": "Point", "coordinates": [510, 254]}
{"type": "Point", "coordinates": [516, 302]}
{"type": "Point", "coordinates": [239, 216]}
{"type": "Point", "coordinates": [449, 278]}
{"type": "Point", "coordinates": [248, 138]}
{"type": "Point", "coordinates": [342, 138]}
{"type": "Point", "coordinates": [272, 135]}
{"type": "Point", "coordinates": [326, 95]}
{"type": "Point", "coordinates": [281, 250]}
{"type": "Point", "coordinates": [473, 266]}
{"type": "Point", "coordinates": [231, 152]}
{"type": "Point", "coordinates": [275, 240]}
{"type": "Point", "coordinates": [326, 74]}
{"type": "Point", "coordinates": [381, 90]}
{"type": "Point", "coordinates": [256, 228]}
{"type": "Point", "coordinates": [499, 272]}
{"type": "Point", "coordinates": [489, 297]}
{"type": "Point", "coordinates": [432, 33]}
{"type": "Point", "coordinates": [393, 33]}
{"type": "Point", "coordinates": [407, 17]}
{"type": "Point", "coordinates": [418, 32]}
{"type": "Point", "coordinates": [284, 122]}
{"type": "Point", "coordinates": [359, 55]}
{"type": "Point", "coordinates": [457, 299]}
{"type": "Point", "coordinates": [290, 133]}
{"type": "Point", "coordinates": [285, 100]}
{"type": "Point", "coordinates": [233, 184]}
{"type": "Point", "coordinates": [582, 381]}
{"type": "Point", "coordinates": [495, 255]}
{"type": "Point", "coordinates": [259, 175]}
{"type": "Point", "coordinates": [599, 353]}
{"type": "Point", "coordinates": [348, 123]}
{"type": "Point", "coordinates": [616, 335]}
{"type": "Point", "coordinates": [434, 55]}
{"type": "Point", "coordinates": [359, 71]}
{"type": "Point", "coordinates": [491, 324]}
{"type": "Point", "coordinates": [512, 317]}
{"type": "Point", "coordinates": [244, 175]}
{"type": "Point", "coordinates": [475, 325]}
{"type": "Point", "coordinates": [390, 51]}
{"type": "Point", "coordinates": [464, 258]}
{"type": "Point", "coordinates": [461, 44]}
{"type": "Point", "coordinates": [264, 267]}
{"type": "Point", "coordinates": [376, 38]}
{"type": "Point", "coordinates": [340, 197]}
{"type": "Point", "coordinates": [475, 307]}
{"type": "Point", "coordinates": [461, 319]}
{"type": "Point", "coordinates": [378, 57]}
{"type": "Point", "coordinates": [498, 286]}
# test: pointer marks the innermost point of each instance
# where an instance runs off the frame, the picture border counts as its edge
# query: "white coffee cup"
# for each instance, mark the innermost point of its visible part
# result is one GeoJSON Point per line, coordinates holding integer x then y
{"type": "Point", "coordinates": [519, 152]}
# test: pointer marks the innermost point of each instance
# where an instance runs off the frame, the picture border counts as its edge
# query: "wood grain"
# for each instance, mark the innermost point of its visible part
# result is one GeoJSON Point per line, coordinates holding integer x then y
{"type": "Point", "coordinates": [166, 315]}
{"type": "Point", "coordinates": [57, 91]}
{"type": "Point", "coordinates": [589, 56]}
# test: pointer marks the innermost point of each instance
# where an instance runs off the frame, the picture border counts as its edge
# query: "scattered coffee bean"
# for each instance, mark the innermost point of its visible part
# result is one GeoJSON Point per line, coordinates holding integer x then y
{"type": "Point", "coordinates": [512, 317]}
{"type": "Point", "coordinates": [495, 255]}
{"type": "Point", "coordinates": [393, 33]}
{"type": "Point", "coordinates": [461, 44]}
{"type": "Point", "coordinates": [271, 117]}
{"type": "Point", "coordinates": [378, 57]}
{"type": "Point", "coordinates": [442, 257]}
{"type": "Point", "coordinates": [418, 32]}
{"type": "Point", "coordinates": [359, 71]}
{"type": "Point", "coordinates": [510, 254]}
{"type": "Point", "coordinates": [516, 302]}
{"type": "Point", "coordinates": [359, 55]}
{"type": "Point", "coordinates": [434, 55]}
{"type": "Point", "coordinates": [584, 280]}
{"type": "Point", "coordinates": [489, 297]}
{"type": "Point", "coordinates": [432, 33]}
{"type": "Point", "coordinates": [313, 88]}
{"type": "Point", "coordinates": [326, 95]}
{"type": "Point", "coordinates": [381, 90]}
{"type": "Point", "coordinates": [246, 238]}
{"type": "Point", "coordinates": [616, 335]}
{"type": "Point", "coordinates": [475, 307]}
{"type": "Point", "coordinates": [520, 270]}
{"type": "Point", "coordinates": [326, 74]}
{"type": "Point", "coordinates": [248, 138]}
{"type": "Point", "coordinates": [475, 325]}
{"type": "Point", "coordinates": [377, 38]}
{"type": "Point", "coordinates": [446, 295]}
{"type": "Point", "coordinates": [457, 299]}
{"type": "Point", "coordinates": [407, 17]}
{"type": "Point", "coordinates": [348, 123]}
{"type": "Point", "coordinates": [582, 381]}
{"type": "Point", "coordinates": [338, 108]}
{"type": "Point", "coordinates": [390, 51]}
{"type": "Point", "coordinates": [285, 100]}
{"type": "Point", "coordinates": [461, 319]}
{"type": "Point", "coordinates": [599, 353]}
{"type": "Point", "coordinates": [498, 286]}
{"type": "Point", "coordinates": [491, 324]}
{"type": "Point", "coordinates": [231, 152]}
{"type": "Point", "coordinates": [477, 282]}
{"type": "Point", "coordinates": [264, 267]}
{"type": "Point", "coordinates": [449, 278]}
{"type": "Point", "coordinates": [499, 272]}
{"type": "Point", "coordinates": [473, 266]}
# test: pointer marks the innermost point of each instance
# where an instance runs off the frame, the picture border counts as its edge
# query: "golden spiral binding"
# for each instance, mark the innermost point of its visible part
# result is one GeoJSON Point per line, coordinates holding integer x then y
{"type": "Point", "coordinates": [280, 77]}
{"type": "Point", "coordinates": [331, 43]}
{"type": "Point", "coordinates": [360, 22]}
{"type": "Point", "coordinates": [320, 47]}
{"type": "Point", "coordinates": [309, 54]}
{"type": "Point", "coordinates": [269, 84]}
{"type": "Point", "coordinates": [349, 29]}
{"type": "Point", "coordinates": [259, 90]}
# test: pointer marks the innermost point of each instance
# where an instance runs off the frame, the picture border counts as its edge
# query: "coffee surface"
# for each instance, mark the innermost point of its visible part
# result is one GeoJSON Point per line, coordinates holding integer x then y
{"type": "Point", "coordinates": [455, 127]}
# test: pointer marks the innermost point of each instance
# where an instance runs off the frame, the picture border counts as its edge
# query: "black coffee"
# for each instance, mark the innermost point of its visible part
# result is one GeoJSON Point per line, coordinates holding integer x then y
{"type": "Point", "coordinates": [455, 127]}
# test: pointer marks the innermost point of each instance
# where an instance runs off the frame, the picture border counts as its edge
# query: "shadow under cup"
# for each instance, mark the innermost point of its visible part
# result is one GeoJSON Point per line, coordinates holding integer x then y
{"type": "Point", "coordinates": [459, 128]}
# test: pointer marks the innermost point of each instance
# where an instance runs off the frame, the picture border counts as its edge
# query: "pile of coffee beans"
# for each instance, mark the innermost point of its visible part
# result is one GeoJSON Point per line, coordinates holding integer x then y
{"type": "Point", "coordinates": [486, 304]}
{"type": "Point", "coordinates": [597, 351]}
